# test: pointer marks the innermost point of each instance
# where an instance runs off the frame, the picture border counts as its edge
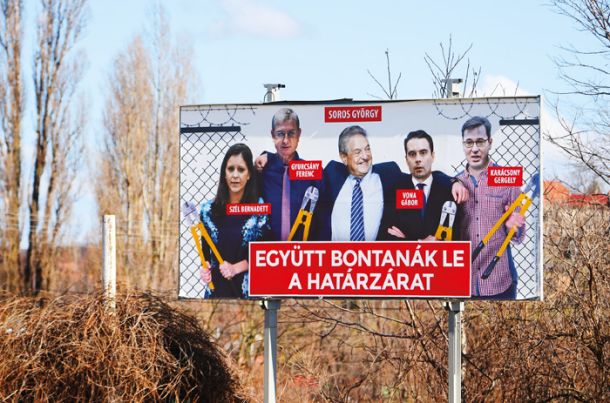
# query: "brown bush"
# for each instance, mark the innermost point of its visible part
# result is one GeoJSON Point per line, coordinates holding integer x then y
{"type": "Point", "coordinates": [73, 348]}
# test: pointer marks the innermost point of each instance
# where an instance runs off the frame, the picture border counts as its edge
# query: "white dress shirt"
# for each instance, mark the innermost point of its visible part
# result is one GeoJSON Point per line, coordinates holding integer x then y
{"type": "Point", "coordinates": [372, 200]}
{"type": "Point", "coordinates": [427, 182]}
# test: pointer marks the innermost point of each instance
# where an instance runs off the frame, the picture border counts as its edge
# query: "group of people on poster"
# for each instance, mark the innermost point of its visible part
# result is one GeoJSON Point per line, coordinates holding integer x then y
{"type": "Point", "coordinates": [356, 201]}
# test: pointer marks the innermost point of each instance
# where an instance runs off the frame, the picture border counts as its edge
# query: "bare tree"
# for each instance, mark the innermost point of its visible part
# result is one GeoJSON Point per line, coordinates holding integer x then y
{"type": "Point", "coordinates": [56, 76]}
{"type": "Point", "coordinates": [447, 68]}
{"type": "Point", "coordinates": [586, 136]}
{"type": "Point", "coordinates": [137, 181]}
{"type": "Point", "coordinates": [11, 115]}
{"type": "Point", "coordinates": [391, 91]}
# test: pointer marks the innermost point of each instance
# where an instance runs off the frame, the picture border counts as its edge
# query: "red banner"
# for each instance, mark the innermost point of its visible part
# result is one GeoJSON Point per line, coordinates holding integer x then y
{"type": "Point", "coordinates": [305, 170]}
{"type": "Point", "coordinates": [334, 114]}
{"type": "Point", "coordinates": [360, 269]}
{"type": "Point", "coordinates": [505, 176]}
{"type": "Point", "coordinates": [409, 198]}
{"type": "Point", "coordinates": [249, 209]}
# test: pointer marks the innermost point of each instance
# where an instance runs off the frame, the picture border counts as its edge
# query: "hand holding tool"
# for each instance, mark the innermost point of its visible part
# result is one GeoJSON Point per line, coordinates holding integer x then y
{"type": "Point", "coordinates": [524, 200]}
{"type": "Point", "coordinates": [189, 211]}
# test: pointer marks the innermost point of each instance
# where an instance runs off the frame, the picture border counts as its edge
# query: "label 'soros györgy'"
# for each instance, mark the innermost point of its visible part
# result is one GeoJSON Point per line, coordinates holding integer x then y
{"type": "Point", "coordinates": [249, 208]}
{"type": "Point", "coordinates": [409, 198]}
{"type": "Point", "coordinates": [505, 176]}
{"type": "Point", "coordinates": [363, 113]}
{"type": "Point", "coordinates": [305, 170]}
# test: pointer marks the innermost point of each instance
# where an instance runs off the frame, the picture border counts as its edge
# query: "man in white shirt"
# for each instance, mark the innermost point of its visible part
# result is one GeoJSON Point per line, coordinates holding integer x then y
{"type": "Point", "coordinates": [360, 196]}
{"type": "Point", "coordinates": [437, 188]}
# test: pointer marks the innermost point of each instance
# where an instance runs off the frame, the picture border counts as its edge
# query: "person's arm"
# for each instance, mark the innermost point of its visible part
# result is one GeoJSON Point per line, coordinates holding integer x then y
{"type": "Point", "coordinates": [261, 161]}
{"type": "Point", "coordinates": [206, 273]}
{"type": "Point", "coordinates": [396, 232]}
{"type": "Point", "coordinates": [515, 219]}
{"type": "Point", "coordinates": [458, 190]}
{"type": "Point", "coordinates": [230, 270]}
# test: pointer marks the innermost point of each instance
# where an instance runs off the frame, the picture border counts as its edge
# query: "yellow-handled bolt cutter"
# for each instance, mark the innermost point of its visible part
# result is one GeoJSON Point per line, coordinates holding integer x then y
{"type": "Point", "coordinates": [198, 231]}
{"type": "Point", "coordinates": [449, 210]}
{"type": "Point", "coordinates": [524, 201]}
{"type": "Point", "coordinates": [304, 217]}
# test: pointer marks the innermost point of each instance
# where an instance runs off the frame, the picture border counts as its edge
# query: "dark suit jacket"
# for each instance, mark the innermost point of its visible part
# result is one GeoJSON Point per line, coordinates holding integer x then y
{"type": "Point", "coordinates": [335, 174]}
{"type": "Point", "coordinates": [271, 179]}
{"type": "Point", "coordinates": [410, 221]}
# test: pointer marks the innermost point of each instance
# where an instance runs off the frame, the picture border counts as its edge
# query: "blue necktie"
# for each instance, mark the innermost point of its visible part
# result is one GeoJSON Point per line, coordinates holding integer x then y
{"type": "Point", "coordinates": [356, 230]}
{"type": "Point", "coordinates": [421, 187]}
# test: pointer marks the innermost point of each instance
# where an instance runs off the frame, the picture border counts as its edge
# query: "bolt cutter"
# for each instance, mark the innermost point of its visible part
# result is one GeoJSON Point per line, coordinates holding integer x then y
{"type": "Point", "coordinates": [524, 201]}
{"type": "Point", "coordinates": [304, 217]}
{"type": "Point", "coordinates": [449, 210]}
{"type": "Point", "coordinates": [198, 231]}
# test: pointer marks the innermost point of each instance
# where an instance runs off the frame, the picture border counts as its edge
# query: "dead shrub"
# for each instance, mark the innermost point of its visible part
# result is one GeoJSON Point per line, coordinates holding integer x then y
{"type": "Point", "coordinates": [73, 348]}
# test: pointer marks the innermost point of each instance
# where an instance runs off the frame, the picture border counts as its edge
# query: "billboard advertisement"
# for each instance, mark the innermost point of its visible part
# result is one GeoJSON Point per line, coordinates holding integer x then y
{"type": "Point", "coordinates": [361, 199]}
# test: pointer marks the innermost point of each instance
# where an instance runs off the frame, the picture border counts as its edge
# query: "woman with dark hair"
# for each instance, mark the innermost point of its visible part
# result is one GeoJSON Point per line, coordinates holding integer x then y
{"type": "Point", "coordinates": [232, 233]}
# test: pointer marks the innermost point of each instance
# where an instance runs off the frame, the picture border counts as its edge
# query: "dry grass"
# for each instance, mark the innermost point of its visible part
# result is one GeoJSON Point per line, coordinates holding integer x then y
{"type": "Point", "coordinates": [73, 348]}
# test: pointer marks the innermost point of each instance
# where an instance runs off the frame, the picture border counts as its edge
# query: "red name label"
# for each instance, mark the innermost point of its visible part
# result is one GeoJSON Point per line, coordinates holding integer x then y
{"type": "Point", "coordinates": [360, 269]}
{"type": "Point", "coordinates": [352, 114]}
{"type": "Point", "coordinates": [305, 170]}
{"type": "Point", "coordinates": [505, 176]}
{"type": "Point", "coordinates": [409, 199]}
{"type": "Point", "coordinates": [248, 208]}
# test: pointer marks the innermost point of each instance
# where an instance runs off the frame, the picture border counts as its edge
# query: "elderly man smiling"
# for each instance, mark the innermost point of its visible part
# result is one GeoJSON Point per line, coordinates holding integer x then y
{"type": "Point", "coordinates": [359, 196]}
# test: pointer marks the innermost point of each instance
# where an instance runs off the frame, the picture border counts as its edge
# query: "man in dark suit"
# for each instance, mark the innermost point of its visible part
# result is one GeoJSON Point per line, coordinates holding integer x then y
{"type": "Point", "coordinates": [285, 195]}
{"type": "Point", "coordinates": [421, 224]}
{"type": "Point", "coordinates": [359, 197]}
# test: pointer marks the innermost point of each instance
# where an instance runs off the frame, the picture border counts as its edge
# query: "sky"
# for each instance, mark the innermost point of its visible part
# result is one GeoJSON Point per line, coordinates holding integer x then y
{"type": "Point", "coordinates": [321, 50]}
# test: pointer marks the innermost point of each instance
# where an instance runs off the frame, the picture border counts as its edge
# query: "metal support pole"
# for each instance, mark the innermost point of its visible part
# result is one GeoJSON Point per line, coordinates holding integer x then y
{"type": "Point", "coordinates": [271, 306]}
{"type": "Point", "coordinates": [109, 269]}
{"type": "Point", "coordinates": [455, 351]}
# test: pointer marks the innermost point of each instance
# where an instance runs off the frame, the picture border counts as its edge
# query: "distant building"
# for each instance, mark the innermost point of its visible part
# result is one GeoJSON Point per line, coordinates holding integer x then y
{"type": "Point", "coordinates": [556, 192]}
{"type": "Point", "coordinates": [594, 200]}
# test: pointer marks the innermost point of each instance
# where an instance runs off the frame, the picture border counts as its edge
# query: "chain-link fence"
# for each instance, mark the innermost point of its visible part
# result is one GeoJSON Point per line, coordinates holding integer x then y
{"type": "Point", "coordinates": [521, 147]}
{"type": "Point", "coordinates": [201, 150]}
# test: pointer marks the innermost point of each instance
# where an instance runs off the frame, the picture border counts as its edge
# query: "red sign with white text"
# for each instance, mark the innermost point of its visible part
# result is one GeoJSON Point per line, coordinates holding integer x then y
{"type": "Point", "coordinates": [334, 114]}
{"type": "Point", "coordinates": [360, 269]}
{"type": "Point", "coordinates": [249, 209]}
{"type": "Point", "coordinates": [305, 170]}
{"type": "Point", "coordinates": [505, 176]}
{"type": "Point", "coordinates": [409, 198]}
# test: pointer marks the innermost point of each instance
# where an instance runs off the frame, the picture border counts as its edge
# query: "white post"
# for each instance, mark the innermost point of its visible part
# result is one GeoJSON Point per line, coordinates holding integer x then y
{"type": "Point", "coordinates": [271, 307]}
{"type": "Point", "coordinates": [109, 260]}
{"type": "Point", "coordinates": [455, 351]}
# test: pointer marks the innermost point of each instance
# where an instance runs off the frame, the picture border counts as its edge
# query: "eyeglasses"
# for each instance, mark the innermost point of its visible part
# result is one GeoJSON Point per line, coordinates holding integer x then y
{"type": "Point", "coordinates": [470, 143]}
{"type": "Point", "coordinates": [281, 134]}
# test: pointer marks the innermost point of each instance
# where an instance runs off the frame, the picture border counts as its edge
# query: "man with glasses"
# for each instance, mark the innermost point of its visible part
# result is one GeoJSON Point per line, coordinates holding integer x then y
{"type": "Point", "coordinates": [284, 195]}
{"type": "Point", "coordinates": [484, 207]}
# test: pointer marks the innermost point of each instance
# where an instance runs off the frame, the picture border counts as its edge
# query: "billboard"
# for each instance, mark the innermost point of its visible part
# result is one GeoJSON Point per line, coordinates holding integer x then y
{"type": "Point", "coordinates": [454, 181]}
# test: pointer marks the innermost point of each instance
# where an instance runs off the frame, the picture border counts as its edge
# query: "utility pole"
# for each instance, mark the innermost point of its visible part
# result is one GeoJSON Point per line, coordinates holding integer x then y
{"type": "Point", "coordinates": [455, 308]}
{"type": "Point", "coordinates": [271, 306]}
